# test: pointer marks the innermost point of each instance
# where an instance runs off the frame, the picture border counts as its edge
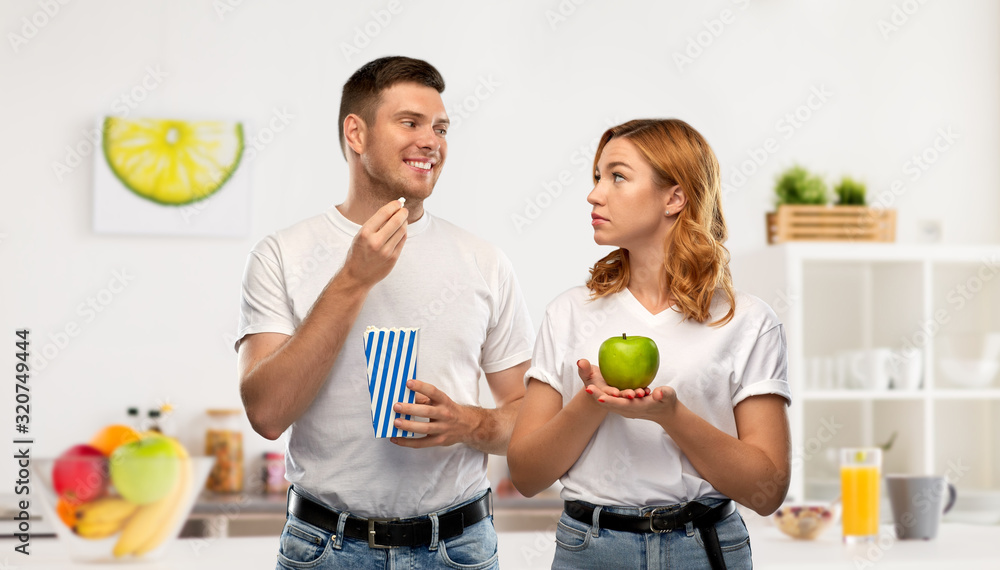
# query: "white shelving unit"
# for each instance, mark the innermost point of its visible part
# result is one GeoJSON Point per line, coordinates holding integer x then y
{"type": "Point", "coordinates": [835, 297]}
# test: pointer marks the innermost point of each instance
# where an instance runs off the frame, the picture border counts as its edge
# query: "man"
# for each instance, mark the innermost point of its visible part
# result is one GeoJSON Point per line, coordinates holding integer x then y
{"type": "Point", "coordinates": [310, 291]}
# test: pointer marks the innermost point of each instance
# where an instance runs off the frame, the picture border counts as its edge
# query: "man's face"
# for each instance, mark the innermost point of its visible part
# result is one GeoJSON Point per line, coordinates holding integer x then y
{"type": "Point", "coordinates": [406, 146]}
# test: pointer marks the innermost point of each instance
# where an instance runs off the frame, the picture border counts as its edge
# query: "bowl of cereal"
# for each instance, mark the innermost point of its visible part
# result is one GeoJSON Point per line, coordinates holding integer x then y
{"type": "Point", "coordinates": [804, 521]}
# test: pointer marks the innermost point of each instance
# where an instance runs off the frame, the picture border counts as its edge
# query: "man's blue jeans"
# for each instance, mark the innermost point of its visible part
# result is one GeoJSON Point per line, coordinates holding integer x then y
{"type": "Point", "coordinates": [306, 546]}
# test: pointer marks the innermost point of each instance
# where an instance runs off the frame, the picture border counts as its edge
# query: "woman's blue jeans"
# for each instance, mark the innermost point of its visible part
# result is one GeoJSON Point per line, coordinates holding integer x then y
{"type": "Point", "coordinates": [581, 545]}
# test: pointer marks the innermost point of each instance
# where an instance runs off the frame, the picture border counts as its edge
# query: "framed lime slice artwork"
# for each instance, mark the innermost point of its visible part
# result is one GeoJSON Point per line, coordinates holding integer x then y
{"type": "Point", "coordinates": [172, 162]}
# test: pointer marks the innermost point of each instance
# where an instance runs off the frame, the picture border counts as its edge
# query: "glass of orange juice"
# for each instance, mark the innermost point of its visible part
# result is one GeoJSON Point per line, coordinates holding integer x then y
{"type": "Point", "coordinates": [860, 479]}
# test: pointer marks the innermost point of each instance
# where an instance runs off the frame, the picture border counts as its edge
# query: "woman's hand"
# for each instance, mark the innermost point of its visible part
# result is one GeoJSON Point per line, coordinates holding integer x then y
{"type": "Point", "coordinates": [595, 385]}
{"type": "Point", "coordinates": [658, 405]}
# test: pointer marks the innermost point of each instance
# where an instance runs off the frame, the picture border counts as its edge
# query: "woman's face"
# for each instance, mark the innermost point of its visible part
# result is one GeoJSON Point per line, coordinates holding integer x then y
{"type": "Point", "coordinates": [629, 207]}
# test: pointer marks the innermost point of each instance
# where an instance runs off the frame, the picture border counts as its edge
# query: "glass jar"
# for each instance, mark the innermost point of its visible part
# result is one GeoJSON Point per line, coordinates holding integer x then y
{"type": "Point", "coordinates": [274, 473]}
{"type": "Point", "coordinates": [224, 441]}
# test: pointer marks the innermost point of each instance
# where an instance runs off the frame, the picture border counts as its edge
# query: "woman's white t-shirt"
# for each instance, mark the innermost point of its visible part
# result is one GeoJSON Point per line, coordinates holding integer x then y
{"type": "Point", "coordinates": [633, 462]}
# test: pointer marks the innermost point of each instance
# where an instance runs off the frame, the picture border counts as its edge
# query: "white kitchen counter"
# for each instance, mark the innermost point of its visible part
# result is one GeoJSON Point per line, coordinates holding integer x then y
{"type": "Point", "coordinates": [958, 546]}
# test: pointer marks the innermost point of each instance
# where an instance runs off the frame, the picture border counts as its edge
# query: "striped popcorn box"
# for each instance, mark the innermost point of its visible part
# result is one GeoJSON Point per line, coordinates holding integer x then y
{"type": "Point", "coordinates": [392, 360]}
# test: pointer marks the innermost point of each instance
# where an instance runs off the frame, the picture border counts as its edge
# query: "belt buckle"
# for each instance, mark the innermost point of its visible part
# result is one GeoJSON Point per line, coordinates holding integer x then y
{"type": "Point", "coordinates": [652, 517]}
{"type": "Point", "coordinates": [371, 532]}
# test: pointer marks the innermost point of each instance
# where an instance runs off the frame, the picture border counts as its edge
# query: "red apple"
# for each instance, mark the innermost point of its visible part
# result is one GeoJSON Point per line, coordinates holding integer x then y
{"type": "Point", "coordinates": [80, 474]}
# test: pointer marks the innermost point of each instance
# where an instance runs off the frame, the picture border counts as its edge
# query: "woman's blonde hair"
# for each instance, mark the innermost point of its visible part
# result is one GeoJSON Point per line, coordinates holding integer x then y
{"type": "Point", "coordinates": [695, 263]}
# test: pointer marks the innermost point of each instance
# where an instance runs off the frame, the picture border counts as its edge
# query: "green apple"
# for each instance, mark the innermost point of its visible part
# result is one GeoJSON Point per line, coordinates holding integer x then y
{"type": "Point", "coordinates": [628, 362]}
{"type": "Point", "coordinates": [144, 471]}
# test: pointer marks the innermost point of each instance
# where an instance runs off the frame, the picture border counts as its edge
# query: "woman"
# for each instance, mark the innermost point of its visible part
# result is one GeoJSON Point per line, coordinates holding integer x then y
{"type": "Point", "coordinates": [711, 427]}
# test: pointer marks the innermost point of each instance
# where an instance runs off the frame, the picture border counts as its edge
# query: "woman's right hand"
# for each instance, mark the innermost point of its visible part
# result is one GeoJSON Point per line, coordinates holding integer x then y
{"type": "Point", "coordinates": [595, 385]}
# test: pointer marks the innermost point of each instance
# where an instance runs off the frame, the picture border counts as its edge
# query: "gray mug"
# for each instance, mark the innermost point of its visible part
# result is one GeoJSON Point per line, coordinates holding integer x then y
{"type": "Point", "coordinates": [918, 503]}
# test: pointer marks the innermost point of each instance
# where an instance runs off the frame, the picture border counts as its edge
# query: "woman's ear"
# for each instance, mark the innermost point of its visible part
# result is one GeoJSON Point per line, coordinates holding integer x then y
{"type": "Point", "coordinates": [675, 200]}
{"type": "Point", "coordinates": [355, 133]}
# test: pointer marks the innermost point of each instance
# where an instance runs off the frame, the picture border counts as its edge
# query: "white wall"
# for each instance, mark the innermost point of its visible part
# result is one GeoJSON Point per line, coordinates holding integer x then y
{"type": "Point", "coordinates": [553, 86]}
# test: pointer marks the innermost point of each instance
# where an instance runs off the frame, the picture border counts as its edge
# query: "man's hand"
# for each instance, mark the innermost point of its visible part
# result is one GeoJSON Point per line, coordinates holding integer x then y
{"type": "Point", "coordinates": [378, 244]}
{"type": "Point", "coordinates": [450, 423]}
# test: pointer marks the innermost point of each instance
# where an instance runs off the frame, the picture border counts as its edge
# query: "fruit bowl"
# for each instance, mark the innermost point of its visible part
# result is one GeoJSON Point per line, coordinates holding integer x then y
{"type": "Point", "coordinates": [804, 521]}
{"type": "Point", "coordinates": [94, 520]}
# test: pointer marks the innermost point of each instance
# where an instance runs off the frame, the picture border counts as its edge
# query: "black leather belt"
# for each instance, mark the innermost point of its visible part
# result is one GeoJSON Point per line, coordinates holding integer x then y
{"type": "Point", "coordinates": [658, 520]}
{"type": "Point", "coordinates": [391, 532]}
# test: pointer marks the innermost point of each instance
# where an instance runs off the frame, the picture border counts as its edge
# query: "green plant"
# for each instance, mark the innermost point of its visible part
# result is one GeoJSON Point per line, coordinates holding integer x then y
{"type": "Point", "coordinates": [796, 185]}
{"type": "Point", "coordinates": [850, 192]}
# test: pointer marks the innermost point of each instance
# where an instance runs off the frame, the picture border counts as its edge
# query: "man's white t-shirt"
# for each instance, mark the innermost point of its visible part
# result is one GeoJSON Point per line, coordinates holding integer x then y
{"type": "Point", "coordinates": [460, 291]}
{"type": "Point", "coordinates": [633, 462]}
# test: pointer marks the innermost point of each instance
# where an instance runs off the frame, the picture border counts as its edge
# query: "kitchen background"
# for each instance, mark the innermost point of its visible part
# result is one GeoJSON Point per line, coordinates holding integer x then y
{"type": "Point", "coordinates": [902, 94]}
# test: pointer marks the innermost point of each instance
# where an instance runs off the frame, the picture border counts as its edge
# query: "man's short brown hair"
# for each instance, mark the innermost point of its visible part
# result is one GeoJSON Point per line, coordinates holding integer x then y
{"type": "Point", "coordinates": [363, 91]}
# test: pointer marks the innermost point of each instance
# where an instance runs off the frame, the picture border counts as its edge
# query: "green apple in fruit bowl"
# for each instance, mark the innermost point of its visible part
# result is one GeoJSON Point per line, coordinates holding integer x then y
{"type": "Point", "coordinates": [144, 471]}
{"type": "Point", "coordinates": [628, 362]}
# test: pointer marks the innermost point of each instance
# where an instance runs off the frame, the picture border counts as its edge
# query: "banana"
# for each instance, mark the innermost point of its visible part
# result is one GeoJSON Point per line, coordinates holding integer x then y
{"type": "Point", "coordinates": [97, 530]}
{"type": "Point", "coordinates": [178, 499]}
{"type": "Point", "coordinates": [152, 524]}
{"type": "Point", "coordinates": [109, 510]}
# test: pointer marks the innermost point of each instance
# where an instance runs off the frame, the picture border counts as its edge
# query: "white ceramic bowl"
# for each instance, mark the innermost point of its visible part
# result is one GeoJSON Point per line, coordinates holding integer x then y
{"type": "Point", "coordinates": [969, 373]}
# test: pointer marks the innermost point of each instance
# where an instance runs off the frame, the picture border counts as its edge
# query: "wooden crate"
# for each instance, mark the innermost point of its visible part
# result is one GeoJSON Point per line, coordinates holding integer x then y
{"type": "Point", "coordinates": [830, 223]}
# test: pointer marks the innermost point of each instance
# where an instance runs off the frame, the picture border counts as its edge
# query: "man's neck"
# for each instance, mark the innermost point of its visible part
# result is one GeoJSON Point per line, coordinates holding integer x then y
{"type": "Point", "coordinates": [365, 197]}
{"type": "Point", "coordinates": [359, 206]}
